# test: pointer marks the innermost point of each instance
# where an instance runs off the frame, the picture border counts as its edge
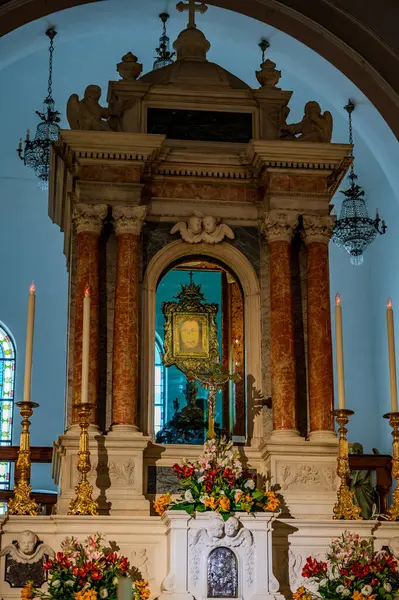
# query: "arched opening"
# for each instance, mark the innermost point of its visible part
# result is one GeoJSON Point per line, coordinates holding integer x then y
{"type": "Point", "coordinates": [184, 403]}
{"type": "Point", "coordinates": [171, 265]}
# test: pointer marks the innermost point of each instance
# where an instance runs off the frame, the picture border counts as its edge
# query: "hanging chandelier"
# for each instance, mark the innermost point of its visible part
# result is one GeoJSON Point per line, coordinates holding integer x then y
{"type": "Point", "coordinates": [354, 231]}
{"type": "Point", "coordinates": [164, 55]}
{"type": "Point", "coordinates": [36, 153]}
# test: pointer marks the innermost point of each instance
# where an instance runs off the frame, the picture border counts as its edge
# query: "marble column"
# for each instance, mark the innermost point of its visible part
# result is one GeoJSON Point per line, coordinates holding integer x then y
{"type": "Point", "coordinates": [128, 222]}
{"type": "Point", "coordinates": [317, 233]}
{"type": "Point", "coordinates": [279, 226]}
{"type": "Point", "coordinates": [88, 222]}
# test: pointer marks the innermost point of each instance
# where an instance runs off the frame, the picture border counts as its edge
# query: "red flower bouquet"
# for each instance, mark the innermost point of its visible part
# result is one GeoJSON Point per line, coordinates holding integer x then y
{"type": "Point", "coordinates": [87, 571]}
{"type": "Point", "coordinates": [218, 482]}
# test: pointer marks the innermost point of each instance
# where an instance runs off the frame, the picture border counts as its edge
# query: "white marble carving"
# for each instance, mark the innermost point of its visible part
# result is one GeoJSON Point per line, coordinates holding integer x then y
{"type": "Point", "coordinates": [248, 537]}
{"type": "Point", "coordinates": [28, 549]}
{"type": "Point", "coordinates": [201, 228]}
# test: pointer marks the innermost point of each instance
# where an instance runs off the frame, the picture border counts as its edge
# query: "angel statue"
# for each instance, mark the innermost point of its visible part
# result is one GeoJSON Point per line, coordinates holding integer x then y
{"type": "Point", "coordinates": [24, 560]}
{"type": "Point", "coordinates": [88, 114]}
{"type": "Point", "coordinates": [314, 127]}
{"type": "Point", "coordinates": [200, 228]}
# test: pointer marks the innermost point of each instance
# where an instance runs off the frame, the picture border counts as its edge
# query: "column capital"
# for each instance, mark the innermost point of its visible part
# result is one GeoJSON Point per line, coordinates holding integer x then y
{"type": "Point", "coordinates": [279, 226]}
{"type": "Point", "coordinates": [129, 219]}
{"type": "Point", "coordinates": [317, 229]}
{"type": "Point", "coordinates": [88, 218]}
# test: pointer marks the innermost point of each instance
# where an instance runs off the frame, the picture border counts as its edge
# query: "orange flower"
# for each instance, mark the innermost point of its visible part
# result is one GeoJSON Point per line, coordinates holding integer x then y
{"type": "Point", "coordinates": [162, 503]}
{"type": "Point", "coordinates": [272, 502]}
{"type": "Point", "coordinates": [86, 595]}
{"type": "Point", "coordinates": [224, 503]}
{"type": "Point", "coordinates": [27, 592]}
{"type": "Point", "coordinates": [359, 596]}
{"type": "Point", "coordinates": [143, 589]}
{"type": "Point", "coordinates": [211, 503]}
{"type": "Point", "coordinates": [302, 594]}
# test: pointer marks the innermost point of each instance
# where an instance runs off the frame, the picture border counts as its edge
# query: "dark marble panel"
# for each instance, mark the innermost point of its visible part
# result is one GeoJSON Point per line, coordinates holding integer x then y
{"type": "Point", "coordinates": [18, 575]}
{"type": "Point", "coordinates": [157, 235]}
{"type": "Point", "coordinates": [162, 480]}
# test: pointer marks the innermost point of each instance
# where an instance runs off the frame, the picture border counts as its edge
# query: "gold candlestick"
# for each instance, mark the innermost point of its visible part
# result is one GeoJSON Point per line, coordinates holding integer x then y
{"type": "Point", "coordinates": [83, 503]}
{"type": "Point", "coordinates": [393, 512]}
{"type": "Point", "coordinates": [21, 503]}
{"type": "Point", "coordinates": [345, 508]}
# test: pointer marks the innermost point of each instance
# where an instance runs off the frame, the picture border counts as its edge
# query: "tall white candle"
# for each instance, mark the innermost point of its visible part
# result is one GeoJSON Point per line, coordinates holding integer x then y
{"type": "Point", "coordinates": [29, 342]}
{"type": "Point", "coordinates": [85, 346]}
{"type": "Point", "coordinates": [392, 358]}
{"type": "Point", "coordinates": [339, 350]}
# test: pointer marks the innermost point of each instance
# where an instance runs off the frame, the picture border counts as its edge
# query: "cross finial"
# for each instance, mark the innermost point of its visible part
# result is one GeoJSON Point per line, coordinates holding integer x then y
{"type": "Point", "coordinates": [193, 6]}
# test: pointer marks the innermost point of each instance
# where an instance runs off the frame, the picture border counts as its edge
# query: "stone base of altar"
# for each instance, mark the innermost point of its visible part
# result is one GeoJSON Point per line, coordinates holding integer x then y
{"type": "Point", "coordinates": [116, 470]}
{"type": "Point", "coordinates": [304, 474]}
{"type": "Point", "coordinates": [147, 543]}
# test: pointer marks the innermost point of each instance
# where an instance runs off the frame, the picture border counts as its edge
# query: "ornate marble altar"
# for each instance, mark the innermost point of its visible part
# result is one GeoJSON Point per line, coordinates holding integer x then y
{"type": "Point", "coordinates": [187, 161]}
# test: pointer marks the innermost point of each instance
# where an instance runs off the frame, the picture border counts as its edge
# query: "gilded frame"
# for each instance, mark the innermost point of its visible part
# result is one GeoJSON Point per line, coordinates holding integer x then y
{"type": "Point", "coordinates": [197, 352]}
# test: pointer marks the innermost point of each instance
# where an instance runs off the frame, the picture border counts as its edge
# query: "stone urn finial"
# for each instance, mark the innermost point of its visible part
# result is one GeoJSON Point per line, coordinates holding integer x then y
{"type": "Point", "coordinates": [129, 68]}
{"type": "Point", "coordinates": [268, 76]}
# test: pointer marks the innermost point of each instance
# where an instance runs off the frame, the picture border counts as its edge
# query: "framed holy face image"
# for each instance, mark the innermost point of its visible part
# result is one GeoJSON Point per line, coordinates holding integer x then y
{"type": "Point", "coordinates": [190, 332]}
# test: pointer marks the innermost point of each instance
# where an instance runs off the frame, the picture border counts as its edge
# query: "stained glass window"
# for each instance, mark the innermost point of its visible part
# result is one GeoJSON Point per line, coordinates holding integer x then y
{"type": "Point", "coordinates": [159, 392]}
{"type": "Point", "coordinates": [7, 385]}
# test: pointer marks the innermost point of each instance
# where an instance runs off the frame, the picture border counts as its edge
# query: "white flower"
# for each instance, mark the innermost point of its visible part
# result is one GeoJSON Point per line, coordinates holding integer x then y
{"type": "Point", "coordinates": [103, 593]}
{"type": "Point", "coordinates": [115, 581]}
{"type": "Point", "coordinates": [69, 582]}
{"type": "Point", "coordinates": [203, 498]}
{"type": "Point", "coordinates": [56, 583]}
{"type": "Point", "coordinates": [366, 590]}
{"type": "Point", "coordinates": [387, 587]}
{"type": "Point", "coordinates": [201, 479]}
{"type": "Point", "coordinates": [250, 484]}
{"type": "Point", "coordinates": [341, 589]}
{"type": "Point", "coordinates": [188, 496]}
{"type": "Point", "coordinates": [323, 582]}
{"type": "Point", "coordinates": [86, 586]}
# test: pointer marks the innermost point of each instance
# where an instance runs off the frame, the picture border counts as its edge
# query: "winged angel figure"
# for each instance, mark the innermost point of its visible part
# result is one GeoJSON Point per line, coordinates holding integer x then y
{"type": "Point", "coordinates": [27, 549]}
{"type": "Point", "coordinates": [200, 228]}
{"type": "Point", "coordinates": [88, 114]}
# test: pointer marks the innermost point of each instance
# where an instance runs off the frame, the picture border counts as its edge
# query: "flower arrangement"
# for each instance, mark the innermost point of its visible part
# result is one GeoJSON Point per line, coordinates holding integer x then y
{"type": "Point", "coordinates": [86, 571]}
{"type": "Point", "coordinates": [217, 482]}
{"type": "Point", "coordinates": [352, 570]}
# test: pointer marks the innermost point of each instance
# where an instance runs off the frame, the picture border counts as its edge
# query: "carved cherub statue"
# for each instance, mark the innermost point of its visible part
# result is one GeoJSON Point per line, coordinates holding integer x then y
{"type": "Point", "coordinates": [190, 231]}
{"type": "Point", "coordinates": [314, 127]}
{"type": "Point", "coordinates": [88, 114]}
{"type": "Point", "coordinates": [214, 231]}
{"type": "Point", "coordinates": [200, 228]}
{"type": "Point", "coordinates": [27, 549]}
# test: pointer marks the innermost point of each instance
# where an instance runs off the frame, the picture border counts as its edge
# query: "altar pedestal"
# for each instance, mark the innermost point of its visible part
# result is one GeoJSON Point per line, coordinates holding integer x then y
{"type": "Point", "coordinates": [209, 558]}
{"type": "Point", "coordinates": [116, 470]}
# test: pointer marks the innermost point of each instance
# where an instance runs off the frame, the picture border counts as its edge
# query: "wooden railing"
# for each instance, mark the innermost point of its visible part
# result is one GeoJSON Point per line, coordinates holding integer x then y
{"type": "Point", "coordinates": [382, 465]}
{"type": "Point", "coordinates": [39, 454]}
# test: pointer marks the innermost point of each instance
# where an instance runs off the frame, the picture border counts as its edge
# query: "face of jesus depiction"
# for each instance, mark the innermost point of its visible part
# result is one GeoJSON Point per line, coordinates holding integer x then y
{"type": "Point", "coordinates": [190, 335]}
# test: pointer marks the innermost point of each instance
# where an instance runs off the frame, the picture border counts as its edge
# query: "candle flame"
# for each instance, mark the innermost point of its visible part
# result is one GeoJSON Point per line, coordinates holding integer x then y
{"type": "Point", "coordinates": [389, 303]}
{"type": "Point", "coordinates": [32, 288]}
{"type": "Point", "coordinates": [87, 290]}
{"type": "Point", "coordinates": [337, 300]}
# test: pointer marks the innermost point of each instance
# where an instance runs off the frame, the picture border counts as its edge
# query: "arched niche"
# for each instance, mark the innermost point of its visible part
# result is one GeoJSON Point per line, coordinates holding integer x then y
{"type": "Point", "coordinates": [240, 265]}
